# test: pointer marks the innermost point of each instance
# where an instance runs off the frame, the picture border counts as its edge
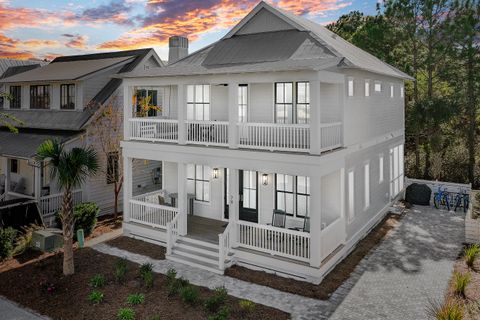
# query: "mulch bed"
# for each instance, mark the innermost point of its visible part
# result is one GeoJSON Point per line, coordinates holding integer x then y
{"type": "Point", "coordinates": [140, 247]}
{"type": "Point", "coordinates": [333, 280]}
{"type": "Point", "coordinates": [106, 224]}
{"type": "Point", "coordinates": [26, 286]}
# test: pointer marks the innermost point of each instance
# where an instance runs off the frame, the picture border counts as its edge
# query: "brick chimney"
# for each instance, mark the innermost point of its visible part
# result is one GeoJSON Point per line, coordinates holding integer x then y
{"type": "Point", "coordinates": [177, 48]}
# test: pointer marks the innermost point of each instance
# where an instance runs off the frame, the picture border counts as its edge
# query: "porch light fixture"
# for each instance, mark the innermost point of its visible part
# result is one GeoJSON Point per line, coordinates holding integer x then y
{"type": "Point", "coordinates": [215, 173]}
{"type": "Point", "coordinates": [265, 179]}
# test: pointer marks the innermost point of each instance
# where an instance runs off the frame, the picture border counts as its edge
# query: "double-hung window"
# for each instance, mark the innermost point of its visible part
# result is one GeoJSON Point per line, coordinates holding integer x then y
{"type": "Point", "coordinates": [303, 102]}
{"type": "Point", "coordinates": [242, 102]}
{"type": "Point", "coordinates": [198, 181]}
{"type": "Point", "coordinates": [284, 102]}
{"type": "Point", "coordinates": [292, 194]}
{"type": "Point", "coordinates": [249, 191]}
{"type": "Point", "coordinates": [67, 96]}
{"type": "Point", "coordinates": [40, 97]}
{"type": "Point", "coordinates": [198, 102]}
{"type": "Point", "coordinates": [15, 97]}
{"type": "Point", "coordinates": [152, 97]}
{"type": "Point", "coordinates": [396, 170]}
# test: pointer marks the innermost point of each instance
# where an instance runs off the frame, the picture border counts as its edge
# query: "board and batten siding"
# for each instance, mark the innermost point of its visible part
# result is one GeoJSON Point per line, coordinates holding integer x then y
{"type": "Point", "coordinates": [92, 85]}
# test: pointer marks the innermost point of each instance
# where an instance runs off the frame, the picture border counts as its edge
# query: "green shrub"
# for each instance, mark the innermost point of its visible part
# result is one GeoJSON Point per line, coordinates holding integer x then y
{"type": "Point", "coordinates": [126, 314]}
{"type": "Point", "coordinates": [171, 275]}
{"type": "Point", "coordinates": [247, 306]}
{"type": "Point", "coordinates": [7, 238]}
{"type": "Point", "coordinates": [98, 281]}
{"type": "Point", "coordinates": [222, 314]}
{"type": "Point", "coordinates": [176, 284]}
{"type": "Point", "coordinates": [85, 217]}
{"type": "Point", "coordinates": [451, 309]}
{"type": "Point", "coordinates": [120, 270]}
{"type": "Point", "coordinates": [461, 280]}
{"type": "Point", "coordinates": [190, 294]}
{"type": "Point", "coordinates": [136, 298]}
{"type": "Point", "coordinates": [471, 253]}
{"type": "Point", "coordinates": [218, 298]}
{"type": "Point", "coordinates": [95, 296]}
{"type": "Point", "coordinates": [146, 268]}
{"type": "Point", "coordinates": [148, 279]}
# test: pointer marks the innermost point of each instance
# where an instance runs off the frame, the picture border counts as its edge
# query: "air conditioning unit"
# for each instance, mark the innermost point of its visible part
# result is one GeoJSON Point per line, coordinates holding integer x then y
{"type": "Point", "coordinates": [46, 240]}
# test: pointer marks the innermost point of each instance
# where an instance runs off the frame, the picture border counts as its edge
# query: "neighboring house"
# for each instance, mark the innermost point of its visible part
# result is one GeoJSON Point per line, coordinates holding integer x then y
{"type": "Point", "coordinates": [281, 147]}
{"type": "Point", "coordinates": [59, 101]}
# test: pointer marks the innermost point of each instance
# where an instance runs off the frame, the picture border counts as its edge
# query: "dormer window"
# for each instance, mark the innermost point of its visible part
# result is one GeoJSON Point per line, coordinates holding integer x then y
{"type": "Point", "coordinates": [67, 97]}
{"type": "Point", "coordinates": [40, 97]}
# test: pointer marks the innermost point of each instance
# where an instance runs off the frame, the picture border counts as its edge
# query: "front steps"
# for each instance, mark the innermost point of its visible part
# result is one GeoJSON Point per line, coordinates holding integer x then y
{"type": "Point", "coordinates": [197, 253]}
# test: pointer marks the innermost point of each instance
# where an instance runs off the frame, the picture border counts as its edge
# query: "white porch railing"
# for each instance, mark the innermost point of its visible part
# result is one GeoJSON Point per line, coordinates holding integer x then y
{"type": "Point", "coordinates": [150, 197]}
{"type": "Point", "coordinates": [332, 236]}
{"type": "Point", "coordinates": [225, 244]}
{"type": "Point", "coordinates": [207, 132]}
{"type": "Point", "coordinates": [150, 214]}
{"type": "Point", "coordinates": [274, 136]}
{"type": "Point", "coordinates": [331, 135]}
{"type": "Point", "coordinates": [276, 241]}
{"type": "Point", "coordinates": [49, 205]}
{"type": "Point", "coordinates": [152, 129]}
{"type": "Point", "coordinates": [172, 233]}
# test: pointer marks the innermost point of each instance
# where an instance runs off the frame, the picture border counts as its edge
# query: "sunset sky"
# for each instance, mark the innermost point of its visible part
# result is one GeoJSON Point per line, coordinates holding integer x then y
{"type": "Point", "coordinates": [45, 29]}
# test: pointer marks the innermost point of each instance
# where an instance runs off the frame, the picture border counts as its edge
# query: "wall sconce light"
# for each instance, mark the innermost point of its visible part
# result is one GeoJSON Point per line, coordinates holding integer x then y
{"type": "Point", "coordinates": [215, 173]}
{"type": "Point", "coordinates": [265, 179]}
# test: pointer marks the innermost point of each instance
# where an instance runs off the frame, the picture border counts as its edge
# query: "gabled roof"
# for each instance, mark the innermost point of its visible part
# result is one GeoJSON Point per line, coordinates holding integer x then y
{"type": "Point", "coordinates": [11, 71]}
{"type": "Point", "coordinates": [271, 39]}
{"type": "Point", "coordinates": [5, 64]}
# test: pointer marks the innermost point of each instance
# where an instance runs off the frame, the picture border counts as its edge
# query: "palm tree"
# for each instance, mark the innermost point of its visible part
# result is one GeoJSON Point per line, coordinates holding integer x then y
{"type": "Point", "coordinates": [70, 168]}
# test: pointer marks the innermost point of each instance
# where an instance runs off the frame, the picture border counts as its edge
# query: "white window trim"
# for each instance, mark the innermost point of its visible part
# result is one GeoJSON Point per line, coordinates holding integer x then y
{"type": "Point", "coordinates": [402, 92]}
{"type": "Point", "coordinates": [366, 187]}
{"type": "Point", "coordinates": [375, 86]}
{"type": "Point", "coordinates": [350, 87]}
{"type": "Point", "coordinates": [392, 90]}
{"type": "Point", "coordinates": [367, 88]}
{"type": "Point", "coordinates": [194, 179]}
{"type": "Point", "coordinates": [351, 194]}
{"type": "Point", "coordinates": [381, 171]}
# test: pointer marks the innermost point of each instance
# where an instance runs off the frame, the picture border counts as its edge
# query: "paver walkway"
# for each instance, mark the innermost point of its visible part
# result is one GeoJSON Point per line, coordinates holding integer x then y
{"type": "Point", "coordinates": [11, 311]}
{"type": "Point", "coordinates": [412, 265]}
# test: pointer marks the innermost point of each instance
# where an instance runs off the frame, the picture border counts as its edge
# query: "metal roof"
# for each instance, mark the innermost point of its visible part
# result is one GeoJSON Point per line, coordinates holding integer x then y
{"type": "Point", "coordinates": [25, 144]}
{"type": "Point", "coordinates": [11, 71]}
{"type": "Point", "coordinates": [51, 119]}
{"type": "Point", "coordinates": [68, 70]}
{"type": "Point", "coordinates": [7, 63]}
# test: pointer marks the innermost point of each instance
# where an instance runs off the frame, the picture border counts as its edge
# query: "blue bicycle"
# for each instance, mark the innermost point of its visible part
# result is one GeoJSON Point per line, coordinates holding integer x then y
{"type": "Point", "coordinates": [462, 200]}
{"type": "Point", "coordinates": [442, 198]}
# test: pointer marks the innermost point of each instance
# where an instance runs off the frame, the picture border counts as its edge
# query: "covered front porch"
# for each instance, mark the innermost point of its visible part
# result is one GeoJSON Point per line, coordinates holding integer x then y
{"type": "Point", "coordinates": [299, 218]}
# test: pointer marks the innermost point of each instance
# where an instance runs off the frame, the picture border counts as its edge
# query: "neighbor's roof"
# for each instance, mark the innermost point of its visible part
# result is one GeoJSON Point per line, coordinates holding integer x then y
{"type": "Point", "coordinates": [51, 119]}
{"type": "Point", "coordinates": [25, 144]}
{"type": "Point", "coordinates": [11, 71]}
{"type": "Point", "coordinates": [299, 44]}
{"type": "Point", "coordinates": [5, 64]}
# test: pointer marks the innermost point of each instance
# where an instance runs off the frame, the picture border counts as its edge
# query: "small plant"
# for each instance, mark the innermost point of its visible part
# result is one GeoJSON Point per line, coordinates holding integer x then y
{"type": "Point", "coordinates": [126, 314]}
{"type": "Point", "coordinates": [136, 298]}
{"type": "Point", "coordinates": [471, 253]}
{"type": "Point", "coordinates": [98, 281]}
{"type": "Point", "coordinates": [190, 294]}
{"type": "Point", "coordinates": [219, 297]}
{"type": "Point", "coordinates": [120, 270]}
{"type": "Point", "coordinates": [95, 296]}
{"type": "Point", "coordinates": [222, 314]}
{"type": "Point", "coordinates": [175, 285]}
{"type": "Point", "coordinates": [148, 279]}
{"type": "Point", "coordinates": [451, 309]}
{"type": "Point", "coordinates": [146, 267]}
{"type": "Point", "coordinates": [7, 238]}
{"type": "Point", "coordinates": [171, 275]}
{"type": "Point", "coordinates": [461, 280]}
{"type": "Point", "coordinates": [247, 306]}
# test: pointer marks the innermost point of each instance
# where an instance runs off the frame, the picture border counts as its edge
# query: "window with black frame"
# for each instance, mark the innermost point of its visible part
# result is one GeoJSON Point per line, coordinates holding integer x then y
{"type": "Point", "coordinates": [112, 167]}
{"type": "Point", "coordinates": [67, 96]}
{"type": "Point", "coordinates": [292, 194]}
{"type": "Point", "coordinates": [198, 182]}
{"type": "Point", "coordinates": [15, 97]}
{"type": "Point", "coordinates": [242, 102]}
{"type": "Point", "coordinates": [40, 97]}
{"type": "Point", "coordinates": [303, 102]}
{"type": "Point", "coordinates": [143, 94]}
{"type": "Point", "coordinates": [284, 102]}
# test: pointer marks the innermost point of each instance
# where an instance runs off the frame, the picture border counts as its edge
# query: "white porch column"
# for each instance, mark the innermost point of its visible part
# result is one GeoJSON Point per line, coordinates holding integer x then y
{"type": "Point", "coordinates": [182, 198]}
{"type": "Point", "coordinates": [182, 113]}
{"type": "Point", "coordinates": [127, 110]}
{"type": "Point", "coordinates": [315, 221]}
{"type": "Point", "coordinates": [127, 187]}
{"type": "Point", "coordinates": [315, 118]}
{"type": "Point", "coordinates": [37, 180]}
{"type": "Point", "coordinates": [233, 115]}
{"type": "Point", "coordinates": [233, 203]}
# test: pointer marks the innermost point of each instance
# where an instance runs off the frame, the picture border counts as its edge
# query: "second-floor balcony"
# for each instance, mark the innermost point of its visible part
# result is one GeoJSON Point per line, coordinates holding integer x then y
{"type": "Point", "coordinates": [249, 116]}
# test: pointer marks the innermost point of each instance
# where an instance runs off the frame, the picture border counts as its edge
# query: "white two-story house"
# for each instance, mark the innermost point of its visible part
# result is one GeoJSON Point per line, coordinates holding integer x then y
{"type": "Point", "coordinates": [59, 101]}
{"type": "Point", "coordinates": [281, 146]}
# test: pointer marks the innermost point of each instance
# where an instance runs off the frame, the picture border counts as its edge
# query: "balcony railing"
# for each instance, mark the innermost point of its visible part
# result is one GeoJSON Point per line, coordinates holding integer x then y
{"type": "Point", "coordinates": [50, 205]}
{"type": "Point", "coordinates": [261, 136]}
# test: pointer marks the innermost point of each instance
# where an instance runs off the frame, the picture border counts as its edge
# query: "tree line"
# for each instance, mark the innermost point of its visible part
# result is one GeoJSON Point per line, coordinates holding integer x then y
{"type": "Point", "coordinates": [437, 42]}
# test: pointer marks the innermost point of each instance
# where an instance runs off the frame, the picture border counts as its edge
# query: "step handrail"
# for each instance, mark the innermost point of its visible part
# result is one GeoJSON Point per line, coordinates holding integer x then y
{"type": "Point", "coordinates": [224, 246]}
{"type": "Point", "coordinates": [172, 233]}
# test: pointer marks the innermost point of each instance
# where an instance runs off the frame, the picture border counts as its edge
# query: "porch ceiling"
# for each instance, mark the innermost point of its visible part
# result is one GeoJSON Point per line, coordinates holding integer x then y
{"type": "Point", "coordinates": [24, 144]}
